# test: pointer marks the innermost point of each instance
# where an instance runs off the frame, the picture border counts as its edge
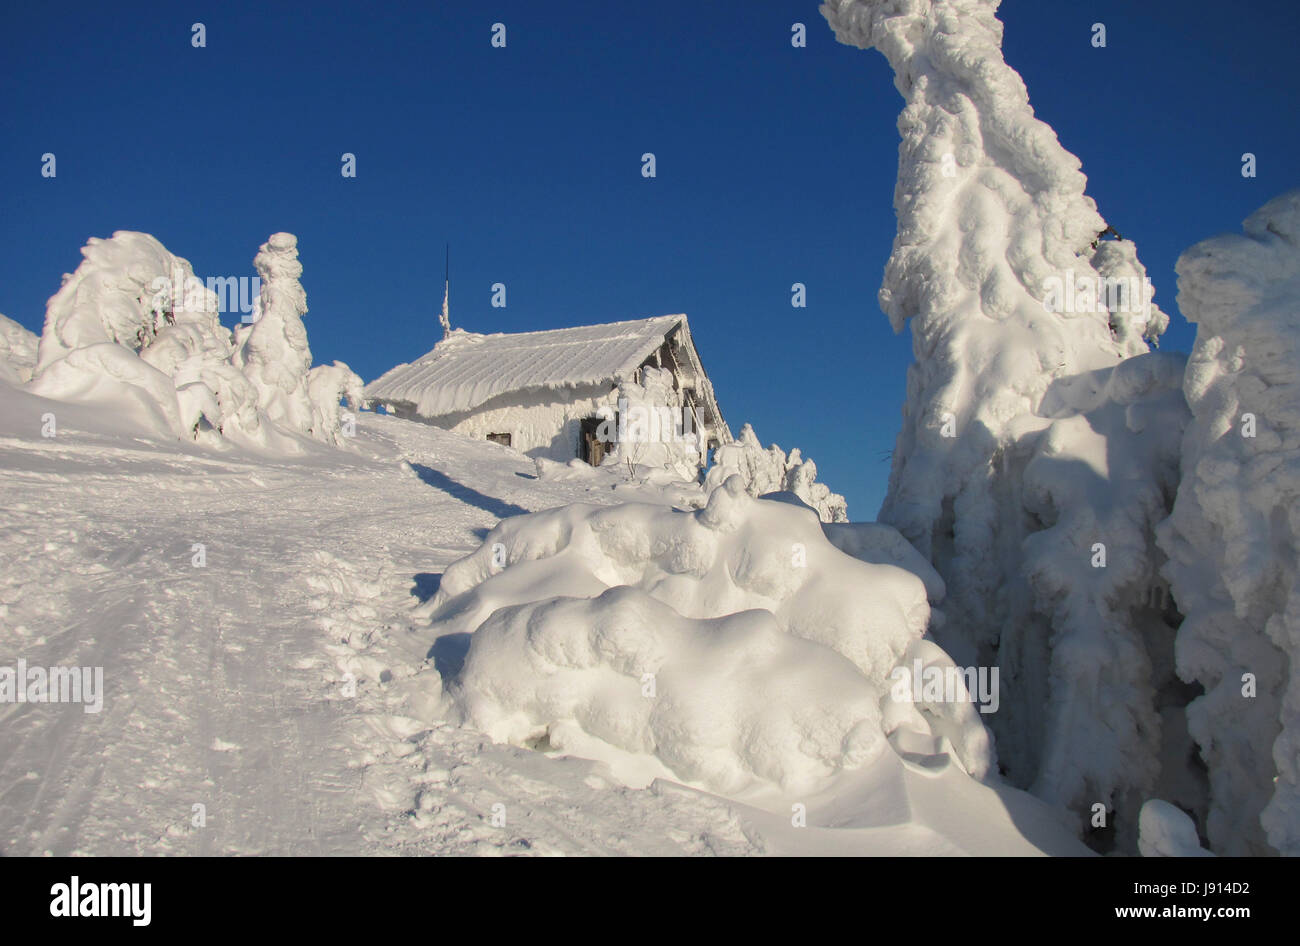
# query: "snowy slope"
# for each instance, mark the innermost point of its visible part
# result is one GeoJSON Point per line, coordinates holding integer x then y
{"type": "Point", "coordinates": [232, 685]}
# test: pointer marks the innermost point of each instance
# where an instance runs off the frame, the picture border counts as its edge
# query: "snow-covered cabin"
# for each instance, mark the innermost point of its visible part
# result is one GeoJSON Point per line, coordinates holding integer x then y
{"type": "Point", "coordinates": [633, 390]}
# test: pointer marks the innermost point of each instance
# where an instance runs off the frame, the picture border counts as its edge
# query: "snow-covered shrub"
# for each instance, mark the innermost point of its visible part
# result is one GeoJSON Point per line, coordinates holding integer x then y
{"type": "Point", "coordinates": [17, 352]}
{"type": "Point", "coordinates": [1026, 437]}
{"type": "Point", "coordinates": [768, 652]}
{"type": "Point", "coordinates": [1234, 535]}
{"type": "Point", "coordinates": [770, 470]}
{"type": "Point", "coordinates": [328, 386]}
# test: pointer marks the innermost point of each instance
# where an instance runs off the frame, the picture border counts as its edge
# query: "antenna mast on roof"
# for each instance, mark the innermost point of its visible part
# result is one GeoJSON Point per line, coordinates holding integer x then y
{"type": "Point", "coordinates": [445, 319]}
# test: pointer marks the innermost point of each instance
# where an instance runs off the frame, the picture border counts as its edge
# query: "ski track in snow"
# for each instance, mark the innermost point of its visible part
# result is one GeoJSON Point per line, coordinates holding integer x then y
{"type": "Point", "coordinates": [227, 685]}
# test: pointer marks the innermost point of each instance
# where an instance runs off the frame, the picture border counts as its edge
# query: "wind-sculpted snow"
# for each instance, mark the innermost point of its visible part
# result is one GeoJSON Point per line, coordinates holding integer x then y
{"type": "Point", "coordinates": [17, 352]}
{"type": "Point", "coordinates": [1024, 439]}
{"type": "Point", "coordinates": [1235, 530]}
{"type": "Point", "coordinates": [770, 470]}
{"type": "Point", "coordinates": [732, 647]}
{"type": "Point", "coordinates": [134, 327]}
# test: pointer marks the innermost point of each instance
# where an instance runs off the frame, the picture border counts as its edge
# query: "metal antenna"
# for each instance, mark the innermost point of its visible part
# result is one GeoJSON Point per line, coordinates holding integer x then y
{"type": "Point", "coordinates": [446, 296]}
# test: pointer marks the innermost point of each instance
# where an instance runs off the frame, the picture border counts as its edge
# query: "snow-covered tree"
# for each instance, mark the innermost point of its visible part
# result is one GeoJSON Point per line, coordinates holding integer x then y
{"type": "Point", "coordinates": [274, 355]}
{"type": "Point", "coordinates": [273, 350]}
{"type": "Point", "coordinates": [135, 326]}
{"type": "Point", "coordinates": [770, 470]}
{"type": "Point", "coordinates": [1234, 535]}
{"type": "Point", "coordinates": [1027, 440]}
{"type": "Point", "coordinates": [17, 352]}
{"type": "Point", "coordinates": [328, 385]}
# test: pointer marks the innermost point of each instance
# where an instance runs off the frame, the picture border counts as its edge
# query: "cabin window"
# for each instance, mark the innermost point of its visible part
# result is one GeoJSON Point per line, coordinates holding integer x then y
{"type": "Point", "coordinates": [503, 439]}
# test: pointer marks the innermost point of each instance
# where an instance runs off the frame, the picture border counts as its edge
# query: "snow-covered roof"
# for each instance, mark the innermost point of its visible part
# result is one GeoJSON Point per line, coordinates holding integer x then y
{"type": "Point", "coordinates": [465, 370]}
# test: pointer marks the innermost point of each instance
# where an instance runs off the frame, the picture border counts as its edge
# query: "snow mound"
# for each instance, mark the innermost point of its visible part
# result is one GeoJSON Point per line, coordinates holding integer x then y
{"type": "Point", "coordinates": [721, 702]}
{"type": "Point", "coordinates": [1165, 831]}
{"type": "Point", "coordinates": [881, 544]}
{"type": "Point", "coordinates": [17, 352]}
{"type": "Point", "coordinates": [770, 470]}
{"type": "Point", "coordinates": [134, 328]}
{"type": "Point", "coordinates": [732, 647]}
{"type": "Point", "coordinates": [1234, 534]}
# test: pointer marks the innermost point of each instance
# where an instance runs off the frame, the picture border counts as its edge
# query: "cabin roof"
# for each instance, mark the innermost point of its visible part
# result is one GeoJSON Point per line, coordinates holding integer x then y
{"type": "Point", "coordinates": [466, 370]}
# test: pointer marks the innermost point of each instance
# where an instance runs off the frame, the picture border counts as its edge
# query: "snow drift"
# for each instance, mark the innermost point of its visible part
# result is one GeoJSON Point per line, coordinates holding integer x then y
{"type": "Point", "coordinates": [133, 327]}
{"type": "Point", "coordinates": [1039, 439]}
{"type": "Point", "coordinates": [733, 647]}
{"type": "Point", "coordinates": [1234, 534]}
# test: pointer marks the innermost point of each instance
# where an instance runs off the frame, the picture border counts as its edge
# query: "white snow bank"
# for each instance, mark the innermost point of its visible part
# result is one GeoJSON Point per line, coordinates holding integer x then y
{"type": "Point", "coordinates": [17, 352]}
{"type": "Point", "coordinates": [767, 651]}
{"type": "Point", "coordinates": [1234, 534]}
{"type": "Point", "coordinates": [133, 328]}
{"type": "Point", "coordinates": [770, 470]}
{"type": "Point", "coordinates": [1165, 831]}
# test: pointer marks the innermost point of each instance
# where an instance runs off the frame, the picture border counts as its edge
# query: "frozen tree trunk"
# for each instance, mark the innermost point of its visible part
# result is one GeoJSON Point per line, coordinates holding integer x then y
{"type": "Point", "coordinates": [999, 267]}
{"type": "Point", "coordinates": [1234, 534]}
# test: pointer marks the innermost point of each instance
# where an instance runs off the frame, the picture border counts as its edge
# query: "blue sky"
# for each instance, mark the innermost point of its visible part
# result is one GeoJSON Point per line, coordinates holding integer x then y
{"type": "Point", "coordinates": [775, 165]}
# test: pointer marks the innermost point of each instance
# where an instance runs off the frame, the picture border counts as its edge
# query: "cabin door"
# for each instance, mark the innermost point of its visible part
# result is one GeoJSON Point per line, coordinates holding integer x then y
{"type": "Point", "coordinates": [591, 446]}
